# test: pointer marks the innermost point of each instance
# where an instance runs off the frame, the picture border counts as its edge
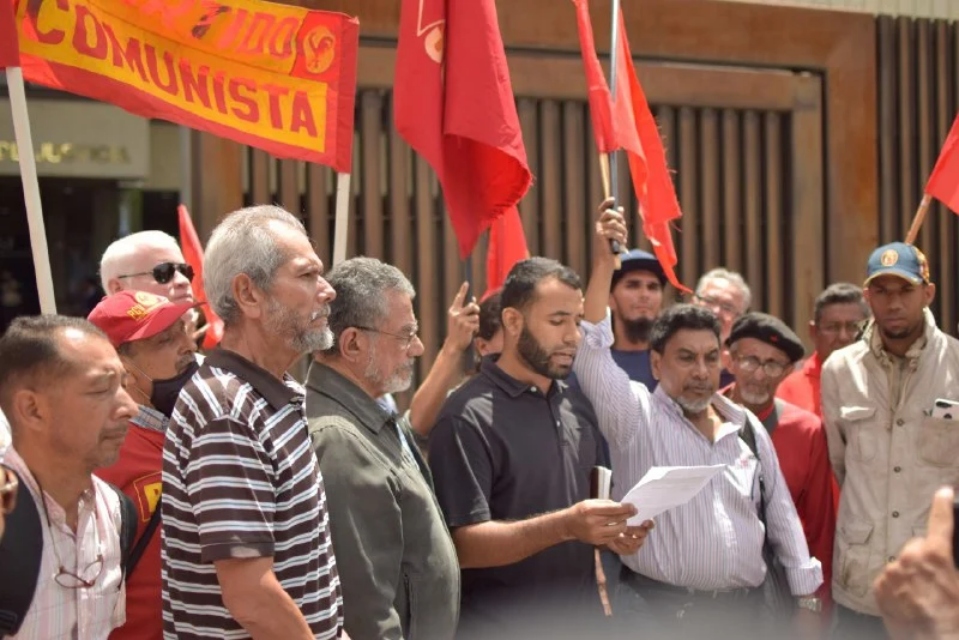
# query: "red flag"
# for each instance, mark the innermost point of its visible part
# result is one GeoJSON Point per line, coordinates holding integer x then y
{"type": "Point", "coordinates": [9, 49]}
{"type": "Point", "coordinates": [507, 246]}
{"type": "Point", "coordinates": [193, 254]}
{"type": "Point", "coordinates": [453, 103]}
{"type": "Point", "coordinates": [627, 123]}
{"type": "Point", "coordinates": [943, 184]}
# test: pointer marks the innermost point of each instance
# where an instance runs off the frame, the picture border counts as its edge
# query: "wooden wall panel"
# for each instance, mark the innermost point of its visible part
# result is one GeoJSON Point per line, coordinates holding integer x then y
{"type": "Point", "coordinates": [918, 93]}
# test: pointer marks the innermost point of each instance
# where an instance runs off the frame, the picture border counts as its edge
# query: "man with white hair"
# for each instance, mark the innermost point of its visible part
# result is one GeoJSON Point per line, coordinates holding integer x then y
{"type": "Point", "coordinates": [388, 530]}
{"type": "Point", "coordinates": [246, 538]}
{"type": "Point", "coordinates": [726, 294]}
{"type": "Point", "coordinates": [148, 261]}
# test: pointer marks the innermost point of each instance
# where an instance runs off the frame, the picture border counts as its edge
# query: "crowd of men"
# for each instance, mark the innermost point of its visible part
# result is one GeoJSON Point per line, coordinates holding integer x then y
{"type": "Point", "coordinates": [154, 492]}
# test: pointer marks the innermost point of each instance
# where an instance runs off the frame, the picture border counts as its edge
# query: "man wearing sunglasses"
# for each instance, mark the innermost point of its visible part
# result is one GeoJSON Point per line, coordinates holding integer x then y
{"type": "Point", "coordinates": [158, 354]}
{"type": "Point", "coordinates": [762, 352]}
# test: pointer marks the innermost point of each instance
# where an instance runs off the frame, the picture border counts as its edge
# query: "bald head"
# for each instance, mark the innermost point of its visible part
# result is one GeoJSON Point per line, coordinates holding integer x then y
{"type": "Point", "coordinates": [129, 262]}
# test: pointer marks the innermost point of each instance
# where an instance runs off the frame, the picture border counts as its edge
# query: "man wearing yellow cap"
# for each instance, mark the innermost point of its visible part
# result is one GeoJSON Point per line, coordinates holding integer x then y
{"type": "Point", "coordinates": [893, 439]}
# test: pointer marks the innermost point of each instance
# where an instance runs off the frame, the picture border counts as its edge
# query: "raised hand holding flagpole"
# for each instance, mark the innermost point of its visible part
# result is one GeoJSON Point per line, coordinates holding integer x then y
{"type": "Point", "coordinates": [10, 60]}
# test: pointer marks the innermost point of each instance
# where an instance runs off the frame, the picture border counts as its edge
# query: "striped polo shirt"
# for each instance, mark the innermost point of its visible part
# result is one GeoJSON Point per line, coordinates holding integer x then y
{"type": "Point", "coordinates": [240, 480]}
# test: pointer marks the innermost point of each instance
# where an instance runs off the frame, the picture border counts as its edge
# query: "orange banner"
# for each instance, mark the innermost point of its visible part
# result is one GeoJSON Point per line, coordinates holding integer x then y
{"type": "Point", "coordinates": [276, 77]}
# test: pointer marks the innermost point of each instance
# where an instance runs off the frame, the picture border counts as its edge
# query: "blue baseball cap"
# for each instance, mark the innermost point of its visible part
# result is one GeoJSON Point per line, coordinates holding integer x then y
{"type": "Point", "coordinates": [638, 260]}
{"type": "Point", "coordinates": [898, 259]}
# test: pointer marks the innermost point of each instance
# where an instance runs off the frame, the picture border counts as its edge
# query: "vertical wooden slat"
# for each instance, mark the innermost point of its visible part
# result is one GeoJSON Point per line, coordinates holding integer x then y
{"type": "Point", "coordinates": [595, 187]}
{"type": "Point", "coordinates": [927, 146]}
{"type": "Point", "coordinates": [773, 163]}
{"type": "Point", "coordinates": [401, 227]}
{"type": "Point", "coordinates": [690, 262]}
{"type": "Point", "coordinates": [755, 272]}
{"type": "Point", "coordinates": [889, 217]}
{"type": "Point", "coordinates": [452, 269]}
{"type": "Point", "coordinates": [289, 187]}
{"type": "Point", "coordinates": [804, 246]}
{"type": "Point", "coordinates": [427, 280]}
{"type": "Point", "coordinates": [260, 177]}
{"type": "Point", "coordinates": [551, 187]}
{"type": "Point", "coordinates": [371, 131]}
{"type": "Point", "coordinates": [945, 221]}
{"type": "Point", "coordinates": [354, 220]}
{"type": "Point", "coordinates": [529, 206]}
{"type": "Point", "coordinates": [732, 191]}
{"type": "Point", "coordinates": [574, 167]}
{"type": "Point", "coordinates": [907, 125]}
{"type": "Point", "coordinates": [709, 197]}
{"type": "Point", "coordinates": [318, 211]}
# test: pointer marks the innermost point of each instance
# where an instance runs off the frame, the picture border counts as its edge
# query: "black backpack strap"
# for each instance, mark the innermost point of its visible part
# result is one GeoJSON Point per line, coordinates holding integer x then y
{"type": "Point", "coordinates": [137, 552]}
{"type": "Point", "coordinates": [128, 525]}
{"type": "Point", "coordinates": [21, 551]}
{"type": "Point", "coordinates": [772, 420]}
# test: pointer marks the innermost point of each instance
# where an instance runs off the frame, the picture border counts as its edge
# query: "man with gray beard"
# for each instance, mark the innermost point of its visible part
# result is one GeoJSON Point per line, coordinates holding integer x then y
{"type": "Point", "coordinates": [702, 572]}
{"type": "Point", "coordinates": [246, 536]}
{"type": "Point", "coordinates": [396, 559]}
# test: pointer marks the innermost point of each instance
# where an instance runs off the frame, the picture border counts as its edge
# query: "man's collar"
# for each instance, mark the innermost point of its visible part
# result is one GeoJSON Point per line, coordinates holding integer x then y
{"type": "Point", "coordinates": [874, 339]}
{"type": "Point", "coordinates": [274, 390]}
{"type": "Point", "coordinates": [813, 365]}
{"type": "Point", "coordinates": [150, 418]}
{"type": "Point", "coordinates": [514, 388]}
{"type": "Point", "coordinates": [327, 381]}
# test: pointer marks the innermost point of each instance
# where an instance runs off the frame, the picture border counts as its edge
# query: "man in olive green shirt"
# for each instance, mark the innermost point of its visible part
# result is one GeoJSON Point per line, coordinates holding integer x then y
{"type": "Point", "coordinates": [397, 564]}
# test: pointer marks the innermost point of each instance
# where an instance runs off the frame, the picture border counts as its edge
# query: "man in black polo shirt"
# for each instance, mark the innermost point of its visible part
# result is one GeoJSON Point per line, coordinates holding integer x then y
{"type": "Point", "coordinates": [511, 456]}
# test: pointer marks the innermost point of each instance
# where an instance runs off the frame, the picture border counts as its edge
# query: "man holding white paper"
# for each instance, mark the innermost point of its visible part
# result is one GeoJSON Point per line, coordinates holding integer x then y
{"type": "Point", "coordinates": [702, 569]}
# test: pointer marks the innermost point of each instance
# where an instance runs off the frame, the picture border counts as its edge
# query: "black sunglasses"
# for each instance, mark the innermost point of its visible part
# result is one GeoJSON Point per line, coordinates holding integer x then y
{"type": "Point", "coordinates": [164, 271]}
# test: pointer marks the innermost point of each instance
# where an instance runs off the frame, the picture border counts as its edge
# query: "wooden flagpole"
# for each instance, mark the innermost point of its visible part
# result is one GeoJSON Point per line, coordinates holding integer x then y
{"type": "Point", "coordinates": [341, 228]}
{"type": "Point", "coordinates": [31, 190]}
{"type": "Point", "coordinates": [918, 219]}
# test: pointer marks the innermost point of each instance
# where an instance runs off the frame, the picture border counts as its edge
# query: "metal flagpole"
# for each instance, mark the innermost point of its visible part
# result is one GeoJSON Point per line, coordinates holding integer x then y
{"type": "Point", "coordinates": [614, 155]}
{"type": "Point", "coordinates": [341, 228]}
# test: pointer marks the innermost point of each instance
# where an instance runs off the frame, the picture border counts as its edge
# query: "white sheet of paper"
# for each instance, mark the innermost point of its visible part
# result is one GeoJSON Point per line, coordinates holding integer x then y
{"type": "Point", "coordinates": [664, 488]}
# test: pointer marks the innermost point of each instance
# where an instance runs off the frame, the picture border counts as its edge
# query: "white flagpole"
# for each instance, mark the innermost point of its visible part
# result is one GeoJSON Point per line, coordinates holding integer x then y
{"type": "Point", "coordinates": [341, 229]}
{"type": "Point", "coordinates": [31, 190]}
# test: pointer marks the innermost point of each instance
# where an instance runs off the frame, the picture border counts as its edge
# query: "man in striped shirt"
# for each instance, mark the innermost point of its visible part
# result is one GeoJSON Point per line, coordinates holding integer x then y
{"type": "Point", "coordinates": [246, 540]}
{"type": "Point", "coordinates": [701, 571]}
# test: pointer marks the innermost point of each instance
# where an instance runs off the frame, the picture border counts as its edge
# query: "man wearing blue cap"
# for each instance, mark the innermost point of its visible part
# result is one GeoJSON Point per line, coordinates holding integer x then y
{"type": "Point", "coordinates": [893, 439]}
{"type": "Point", "coordinates": [635, 300]}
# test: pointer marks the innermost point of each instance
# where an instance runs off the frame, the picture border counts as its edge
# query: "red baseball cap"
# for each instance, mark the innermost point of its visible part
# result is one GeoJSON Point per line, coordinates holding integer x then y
{"type": "Point", "coordinates": [127, 316]}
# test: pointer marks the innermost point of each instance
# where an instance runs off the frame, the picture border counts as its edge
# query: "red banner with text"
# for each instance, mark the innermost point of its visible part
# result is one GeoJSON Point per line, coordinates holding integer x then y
{"type": "Point", "coordinates": [276, 77]}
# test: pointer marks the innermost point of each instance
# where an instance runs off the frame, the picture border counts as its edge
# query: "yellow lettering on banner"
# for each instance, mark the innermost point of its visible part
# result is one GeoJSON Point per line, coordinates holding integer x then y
{"type": "Point", "coordinates": [265, 103]}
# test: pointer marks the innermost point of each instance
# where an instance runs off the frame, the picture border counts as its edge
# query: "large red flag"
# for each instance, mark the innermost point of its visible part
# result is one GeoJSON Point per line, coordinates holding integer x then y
{"type": "Point", "coordinates": [453, 103]}
{"type": "Point", "coordinates": [507, 246]}
{"type": "Point", "coordinates": [943, 184]}
{"type": "Point", "coordinates": [627, 123]}
{"type": "Point", "coordinates": [193, 254]}
{"type": "Point", "coordinates": [9, 49]}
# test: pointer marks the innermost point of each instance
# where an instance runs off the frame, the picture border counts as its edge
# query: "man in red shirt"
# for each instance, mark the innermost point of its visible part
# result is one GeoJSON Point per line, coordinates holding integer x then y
{"type": "Point", "coordinates": [150, 334]}
{"type": "Point", "coordinates": [762, 350]}
{"type": "Point", "coordinates": [838, 315]}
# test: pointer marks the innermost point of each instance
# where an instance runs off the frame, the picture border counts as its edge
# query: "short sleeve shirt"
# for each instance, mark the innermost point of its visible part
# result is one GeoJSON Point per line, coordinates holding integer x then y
{"type": "Point", "coordinates": [502, 450]}
{"type": "Point", "coordinates": [240, 480]}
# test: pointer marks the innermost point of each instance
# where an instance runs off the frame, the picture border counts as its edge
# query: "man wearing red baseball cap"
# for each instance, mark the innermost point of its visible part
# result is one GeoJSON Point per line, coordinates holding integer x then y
{"type": "Point", "coordinates": [150, 334]}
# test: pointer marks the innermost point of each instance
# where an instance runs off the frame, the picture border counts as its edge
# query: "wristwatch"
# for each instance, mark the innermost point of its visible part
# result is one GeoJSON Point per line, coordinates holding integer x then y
{"type": "Point", "coordinates": [811, 603]}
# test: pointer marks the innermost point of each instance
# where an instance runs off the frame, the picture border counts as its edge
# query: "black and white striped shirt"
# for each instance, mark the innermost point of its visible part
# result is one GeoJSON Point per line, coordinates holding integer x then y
{"type": "Point", "coordinates": [240, 480]}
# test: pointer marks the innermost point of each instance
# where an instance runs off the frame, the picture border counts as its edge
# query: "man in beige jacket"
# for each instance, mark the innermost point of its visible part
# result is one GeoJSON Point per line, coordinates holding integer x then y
{"type": "Point", "coordinates": [889, 444]}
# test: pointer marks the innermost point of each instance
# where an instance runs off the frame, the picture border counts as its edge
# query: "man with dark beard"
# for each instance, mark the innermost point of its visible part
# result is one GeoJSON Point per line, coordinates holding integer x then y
{"type": "Point", "coordinates": [891, 441]}
{"type": "Point", "coordinates": [635, 300]}
{"type": "Point", "coordinates": [246, 539]}
{"type": "Point", "coordinates": [512, 454]}
{"type": "Point", "coordinates": [396, 560]}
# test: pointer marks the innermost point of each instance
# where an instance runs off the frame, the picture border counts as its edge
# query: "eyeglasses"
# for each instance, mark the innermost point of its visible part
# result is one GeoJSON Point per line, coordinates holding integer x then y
{"type": "Point", "coordinates": [8, 491]}
{"type": "Point", "coordinates": [406, 340]}
{"type": "Point", "coordinates": [835, 328]}
{"type": "Point", "coordinates": [714, 304]}
{"type": "Point", "coordinates": [164, 272]}
{"type": "Point", "coordinates": [68, 579]}
{"type": "Point", "coordinates": [771, 368]}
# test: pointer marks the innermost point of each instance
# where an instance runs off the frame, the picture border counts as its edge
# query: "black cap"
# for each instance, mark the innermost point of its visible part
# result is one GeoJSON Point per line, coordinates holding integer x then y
{"type": "Point", "coordinates": [768, 329]}
{"type": "Point", "coordinates": [638, 260]}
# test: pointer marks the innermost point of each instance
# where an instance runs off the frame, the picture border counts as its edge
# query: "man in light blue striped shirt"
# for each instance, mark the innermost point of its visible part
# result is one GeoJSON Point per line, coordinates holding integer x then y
{"type": "Point", "coordinates": [702, 569]}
